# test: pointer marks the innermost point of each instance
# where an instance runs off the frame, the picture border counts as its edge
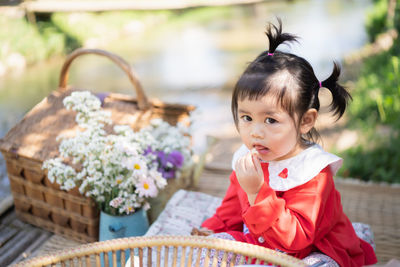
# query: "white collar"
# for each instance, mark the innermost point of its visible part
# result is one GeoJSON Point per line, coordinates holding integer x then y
{"type": "Point", "coordinates": [300, 168]}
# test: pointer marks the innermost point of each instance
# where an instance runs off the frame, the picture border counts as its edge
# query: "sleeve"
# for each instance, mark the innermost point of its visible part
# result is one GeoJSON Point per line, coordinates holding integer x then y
{"type": "Point", "coordinates": [228, 215]}
{"type": "Point", "coordinates": [289, 222]}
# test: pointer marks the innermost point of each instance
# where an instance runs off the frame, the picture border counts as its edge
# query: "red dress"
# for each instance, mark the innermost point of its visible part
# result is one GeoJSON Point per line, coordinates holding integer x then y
{"type": "Point", "coordinates": [298, 221]}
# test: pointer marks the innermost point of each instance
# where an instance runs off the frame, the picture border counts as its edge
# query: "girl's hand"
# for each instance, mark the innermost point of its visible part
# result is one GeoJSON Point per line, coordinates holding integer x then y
{"type": "Point", "coordinates": [250, 175]}
{"type": "Point", "coordinates": [202, 231]}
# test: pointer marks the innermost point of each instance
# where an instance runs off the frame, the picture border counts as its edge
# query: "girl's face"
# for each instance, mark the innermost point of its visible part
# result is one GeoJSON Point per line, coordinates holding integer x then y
{"type": "Point", "coordinates": [268, 128]}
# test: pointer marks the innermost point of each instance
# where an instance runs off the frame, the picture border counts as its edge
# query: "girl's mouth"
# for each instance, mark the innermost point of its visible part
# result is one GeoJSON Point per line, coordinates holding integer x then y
{"type": "Point", "coordinates": [262, 150]}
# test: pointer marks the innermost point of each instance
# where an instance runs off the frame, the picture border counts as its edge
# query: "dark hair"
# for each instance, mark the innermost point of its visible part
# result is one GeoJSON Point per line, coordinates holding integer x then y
{"type": "Point", "coordinates": [298, 87]}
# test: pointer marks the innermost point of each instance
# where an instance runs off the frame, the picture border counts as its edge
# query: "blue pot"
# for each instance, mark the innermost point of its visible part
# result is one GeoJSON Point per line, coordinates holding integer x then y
{"type": "Point", "coordinates": [134, 224]}
{"type": "Point", "coordinates": [111, 227]}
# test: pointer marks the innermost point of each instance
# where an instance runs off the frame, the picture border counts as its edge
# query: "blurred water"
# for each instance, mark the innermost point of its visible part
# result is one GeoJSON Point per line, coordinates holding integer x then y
{"type": "Point", "coordinates": [198, 61]}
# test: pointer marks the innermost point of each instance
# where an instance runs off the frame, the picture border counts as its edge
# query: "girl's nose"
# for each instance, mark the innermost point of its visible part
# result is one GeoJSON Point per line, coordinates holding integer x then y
{"type": "Point", "coordinates": [256, 132]}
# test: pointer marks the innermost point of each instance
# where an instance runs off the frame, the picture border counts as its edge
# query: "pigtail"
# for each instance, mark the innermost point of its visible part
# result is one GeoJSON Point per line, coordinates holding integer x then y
{"type": "Point", "coordinates": [340, 96]}
{"type": "Point", "coordinates": [276, 37]}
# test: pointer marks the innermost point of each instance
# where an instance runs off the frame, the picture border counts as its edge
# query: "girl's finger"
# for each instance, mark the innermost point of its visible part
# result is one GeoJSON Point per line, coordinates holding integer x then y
{"type": "Point", "coordinates": [256, 161]}
{"type": "Point", "coordinates": [247, 162]}
{"type": "Point", "coordinates": [257, 164]}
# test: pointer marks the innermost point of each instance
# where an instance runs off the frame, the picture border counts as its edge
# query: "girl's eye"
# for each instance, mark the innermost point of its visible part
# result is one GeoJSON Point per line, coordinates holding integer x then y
{"type": "Point", "coordinates": [246, 118]}
{"type": "Point", "coordinates": [270, 120]}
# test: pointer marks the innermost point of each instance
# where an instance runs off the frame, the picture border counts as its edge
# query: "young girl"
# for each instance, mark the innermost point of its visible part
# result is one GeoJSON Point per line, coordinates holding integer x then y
{"type": "Point", "coordinates": [282, 194]}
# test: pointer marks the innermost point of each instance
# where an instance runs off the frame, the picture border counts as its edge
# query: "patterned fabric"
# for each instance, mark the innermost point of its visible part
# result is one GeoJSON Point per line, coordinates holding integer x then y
{"type": "Point", "coordinates": [221, 254]}
{"type": "Point", "coordinates": [222, 236]}
{"type": "Point", "coordinates": [185, 210]}
{"type": "Point", "coordinates": [318, 259]}
{"type": "Point", "coordinates": [364, 232]}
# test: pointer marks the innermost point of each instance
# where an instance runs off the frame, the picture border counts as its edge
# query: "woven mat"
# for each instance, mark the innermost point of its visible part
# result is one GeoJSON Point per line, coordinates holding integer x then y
{"type": "Point", "coordinates": [54, 243]}
{"type": "Point", "coordinates": [378, 206]}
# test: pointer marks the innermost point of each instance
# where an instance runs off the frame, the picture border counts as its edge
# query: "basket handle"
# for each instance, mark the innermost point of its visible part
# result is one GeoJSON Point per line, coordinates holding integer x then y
{"type": "Point", "coordinates": [143, 102]}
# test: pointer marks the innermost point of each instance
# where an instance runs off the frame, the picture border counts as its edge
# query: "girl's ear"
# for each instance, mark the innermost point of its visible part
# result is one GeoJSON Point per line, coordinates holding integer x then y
{"type": "Point", "coordinates": [308, 120]}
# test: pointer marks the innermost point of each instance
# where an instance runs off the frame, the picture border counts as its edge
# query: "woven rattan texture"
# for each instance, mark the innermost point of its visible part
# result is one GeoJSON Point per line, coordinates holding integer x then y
{"type": "Point", "coordinates": [378, 206]}
{"type": "Point", "coordinates": [43, 204]}
{"type": "Point", "coordinates": [180, 250]}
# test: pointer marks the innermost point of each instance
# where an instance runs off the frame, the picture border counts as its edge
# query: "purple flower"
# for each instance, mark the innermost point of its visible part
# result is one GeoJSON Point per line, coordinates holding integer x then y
{"type": "Point", "coordinates": [168, 164]}
{"type": "Point", "coordinates": [162, 158]}
{"type": "Point", "coordinates": [167, 173]}
{"type": "Point", "coordinates": [175, 158]}
{"type": "Point", "coordinates": [148, 151]}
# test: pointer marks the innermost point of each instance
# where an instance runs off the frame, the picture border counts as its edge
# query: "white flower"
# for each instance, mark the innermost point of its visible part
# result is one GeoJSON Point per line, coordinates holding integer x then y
{"type": "Point", "coordinates": [128, 209]}
{"type": "Point", "coordinates": [146, 188]}
{"type": "Point", "coordinates": [68, 185]}
{"type": "Point", "coordinates": [91, 169]}
{"type": "Point", "coordinates": [134, 164]}
{"type": "Point", "coordinates": [116, 202]}
{"type": "Point", "coordinates": [161, 182]}
{"type": "Point", "coordinates": [119, 171]}
{"type": "Point", "coordinates": [123, 130]}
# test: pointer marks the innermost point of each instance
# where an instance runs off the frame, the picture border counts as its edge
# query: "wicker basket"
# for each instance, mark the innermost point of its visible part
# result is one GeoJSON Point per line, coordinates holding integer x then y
{"type": "Point", "coordinates": [153, 251]}
{"type": "Point", "coordinates": [33, 140]}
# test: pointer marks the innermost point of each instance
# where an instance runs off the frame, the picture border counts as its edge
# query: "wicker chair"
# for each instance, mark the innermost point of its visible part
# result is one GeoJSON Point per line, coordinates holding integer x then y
{"type": "Point", "coordinates": [106, 253]}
